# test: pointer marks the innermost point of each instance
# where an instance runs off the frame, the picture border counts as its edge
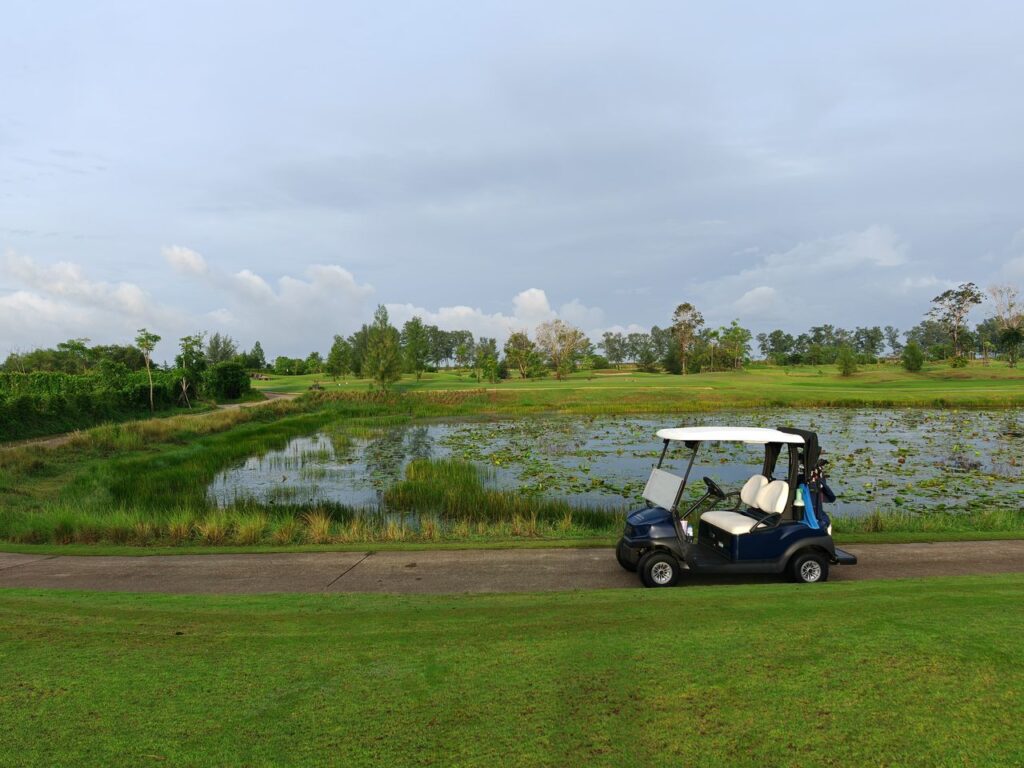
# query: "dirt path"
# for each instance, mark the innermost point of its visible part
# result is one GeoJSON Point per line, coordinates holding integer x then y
{"type": "Point", "coordinates": [451, 572]}
{"type": "Point", "coordinates": [55, 441]}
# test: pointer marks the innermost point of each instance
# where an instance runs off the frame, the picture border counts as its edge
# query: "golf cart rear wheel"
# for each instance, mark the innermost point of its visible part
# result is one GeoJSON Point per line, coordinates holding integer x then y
{"type": "Point", "coordinates": [659, 569]}
{"type": "Point", "coordinates": [620, 555]}
{"type": "Point", "coordinates": [808, 568]}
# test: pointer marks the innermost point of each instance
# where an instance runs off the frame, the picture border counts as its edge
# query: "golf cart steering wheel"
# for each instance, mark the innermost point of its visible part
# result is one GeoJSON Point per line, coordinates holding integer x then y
{"type": "Point", "coordinates": [713, 488]}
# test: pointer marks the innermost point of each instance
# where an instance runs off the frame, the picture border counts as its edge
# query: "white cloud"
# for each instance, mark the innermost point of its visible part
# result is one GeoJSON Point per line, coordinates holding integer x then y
{"type": "Point", "coordinates": [818, 281]}
{"type": "Point", "coordinates": [185, 260]}
{"type": "Point", "coordinates": [67, 280]}
{"type": "Point", "coordinates": [762, 301]}
{"type": "Point", "coordinates": [59, 301]}
{"type": "Point", "coordinates": [289, 317]}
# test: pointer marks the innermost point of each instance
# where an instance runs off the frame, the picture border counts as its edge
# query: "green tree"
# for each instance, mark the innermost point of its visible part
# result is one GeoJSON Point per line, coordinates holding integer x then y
{"type": "Point", "coordinates": [846, 360]}
{"type": "Point", "coordinates": [359, 341]}
{"type": "Point", "coordinates": [951, 309]}
{"type": "Point", "coordinates": [521, 353]}
{"type": "Point", "coordinates": [383, 351]}
{"type": "Point", "coordinates": [614, 346]}
{"type": "Point", "coordinates": [892, 338]}
{"type": "Point", "coordinates": [869, 342]}
{"type": "Point", "coordinates": [671, 362]}
{"type": "Point", "coordinates": [912, 357]}
{"type": "Point", "coordinates": [314, 363]}
{"type": "Point", "coordinates": [643, 352]}
{"type": "Point", "coordinates": [147, 342]}
{"type": "Point", "coordinates": [416, 346]}
{"type": "Point", "coordinates": [736, 343]}
{"type": "Point", "coordinates": [220, 348]}
{"type": "Point", "coordinates": [191, 363]}
{"type": "Point", "coordinates": [77, 353]}
{"type": "Point", "coordinates": [485, 359]}
{"type": "Point", "coordinates": [339, 359]}
{"type": "Point", "coordinates": [686, 323]}
{"type": "Point", "coordinates": [1010, 339]}
{"type": "Point", "coordinates": [257, 359]}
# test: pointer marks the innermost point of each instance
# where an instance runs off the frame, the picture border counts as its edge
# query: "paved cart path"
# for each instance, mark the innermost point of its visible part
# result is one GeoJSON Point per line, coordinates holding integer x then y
{"type": "Point", "coordinates": [450, 571]}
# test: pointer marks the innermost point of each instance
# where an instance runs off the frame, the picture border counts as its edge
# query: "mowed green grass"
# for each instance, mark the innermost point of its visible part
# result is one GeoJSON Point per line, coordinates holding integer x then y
{"type": "Point", "coordinates": [630, 391]}
{"type": "Point", "coordinates": [909, 673]}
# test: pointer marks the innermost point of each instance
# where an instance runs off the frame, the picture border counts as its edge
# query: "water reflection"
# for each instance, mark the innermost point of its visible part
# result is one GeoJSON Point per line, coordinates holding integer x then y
{"type": "Point", "coordinates": [880, 459]}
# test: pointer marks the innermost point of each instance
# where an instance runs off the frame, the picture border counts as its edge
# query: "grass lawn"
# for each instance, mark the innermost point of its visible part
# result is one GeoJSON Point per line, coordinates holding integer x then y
{"type": "Point", "coordinates": [923, 672]}
{"type": "Point", "coordinates": [630, 391]}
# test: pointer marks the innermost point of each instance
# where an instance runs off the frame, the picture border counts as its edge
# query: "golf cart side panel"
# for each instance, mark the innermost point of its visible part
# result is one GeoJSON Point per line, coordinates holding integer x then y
{"type": "Point", "coordinates": [766, 550]}
{"type": "Point", "coordinates": [775, 542]}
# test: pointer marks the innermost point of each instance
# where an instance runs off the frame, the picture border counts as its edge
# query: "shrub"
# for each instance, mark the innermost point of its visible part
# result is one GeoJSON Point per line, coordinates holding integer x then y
{"type": "Point", "coordinates": [912, 357]}
{"type": "Point", "coordinates": [228, 380]}
{"type": "Point", "coordinates": [847, 361]}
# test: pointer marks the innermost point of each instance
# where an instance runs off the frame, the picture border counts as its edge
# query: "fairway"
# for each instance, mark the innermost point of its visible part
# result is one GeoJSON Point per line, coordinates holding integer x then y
{"type": "Point", "coordinates": [756, 385]}
{"type": "Point", "coordinates": [924, 673]}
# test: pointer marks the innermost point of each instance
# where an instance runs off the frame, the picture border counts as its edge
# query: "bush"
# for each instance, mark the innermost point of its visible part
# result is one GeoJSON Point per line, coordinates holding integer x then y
{"type": "Point", "coordinates": [958, 362]}
{"type": "Point", "coordinates": [847, 361]}
{"type": "Point", "coordinates": [228, 380]}
{"type": "Point", "coordinates": [912, 357]}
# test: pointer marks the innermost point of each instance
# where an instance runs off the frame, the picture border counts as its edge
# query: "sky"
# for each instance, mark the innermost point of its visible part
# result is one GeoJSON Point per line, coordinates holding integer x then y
{"type": "Point", "coordinates": [275, 171]}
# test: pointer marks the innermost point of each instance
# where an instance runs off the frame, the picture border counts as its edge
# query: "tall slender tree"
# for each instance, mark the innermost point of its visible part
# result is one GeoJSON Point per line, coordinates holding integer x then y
{"type": "Point", "coordinates": [416, 346]}
{"type": "Point", "coordinates": [383, 361]}
{"type": "Point", "coordinates": [686, 323]}
{"type": "Point", "coordinates": [147, 342]}
{"type": "Point", "coordinates": [191, 363]}
{"type": "Point", "coordinates": [339, 359]}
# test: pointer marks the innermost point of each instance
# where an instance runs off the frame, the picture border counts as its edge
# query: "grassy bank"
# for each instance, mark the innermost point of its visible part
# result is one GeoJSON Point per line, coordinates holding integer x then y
{"type": "Point", "coordinates": [144, 484]}
{"type": "Point", "coordinates": [907, 673]}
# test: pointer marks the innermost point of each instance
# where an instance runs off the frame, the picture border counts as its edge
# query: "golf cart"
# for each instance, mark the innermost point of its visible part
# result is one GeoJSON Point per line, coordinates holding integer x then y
{"type": "Point", "coordinates": [773, 525]}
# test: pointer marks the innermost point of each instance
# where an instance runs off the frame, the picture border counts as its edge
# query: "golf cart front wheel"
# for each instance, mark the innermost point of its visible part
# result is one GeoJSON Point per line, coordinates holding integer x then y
{"type": "Point", "coordinates": [809, 568]}
{"type": "Point", "coordinates": [659, 569]}
{"type": "Point", "coordinates": [622, 557]}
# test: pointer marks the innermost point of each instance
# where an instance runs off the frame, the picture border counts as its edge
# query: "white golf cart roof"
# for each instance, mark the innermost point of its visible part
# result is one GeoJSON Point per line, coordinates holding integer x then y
{"type": "Point", "coordinates": [755, 435]}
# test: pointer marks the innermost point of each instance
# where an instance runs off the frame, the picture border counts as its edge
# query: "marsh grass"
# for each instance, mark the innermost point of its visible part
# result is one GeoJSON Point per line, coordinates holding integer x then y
{"type": "Point", "coordinates": [249, 528]}
{"type": "Point", "coordinates": [982, 521]}
{"type": "Point", "coordinates": [454, 490]}
{"type": "Point", "coordinates": [214, 528]}
{"type": "Point", "coordinates": [318, 527]}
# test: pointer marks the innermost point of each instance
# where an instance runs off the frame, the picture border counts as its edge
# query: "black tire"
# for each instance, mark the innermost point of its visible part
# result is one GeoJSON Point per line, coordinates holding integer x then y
{"type": "Point", "coordinates": [659, 569]}
{"type": "Point", "coordinates": [808, 568]}
{"type": "Point", "coordinates": [620, 555]}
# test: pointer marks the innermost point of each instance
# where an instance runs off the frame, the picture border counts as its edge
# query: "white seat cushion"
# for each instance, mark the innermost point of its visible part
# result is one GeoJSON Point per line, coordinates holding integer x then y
{"type": "Point", "coordinates": [773, 497]}
{"type": "Point", "coordinates": [730, 522]}
{"type": "Point", "coordinates": [751, 488]}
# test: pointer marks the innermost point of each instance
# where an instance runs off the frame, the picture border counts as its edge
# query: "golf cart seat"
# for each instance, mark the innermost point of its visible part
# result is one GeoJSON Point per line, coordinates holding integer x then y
{"type": "Point", "coordinates": [733, 523]}
{"type": "Point", "coordinates": [770, 499]}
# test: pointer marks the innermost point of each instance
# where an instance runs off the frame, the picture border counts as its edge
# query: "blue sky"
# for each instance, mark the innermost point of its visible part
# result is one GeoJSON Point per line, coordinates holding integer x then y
{"type": "Point", "coordinates": [276, 170]}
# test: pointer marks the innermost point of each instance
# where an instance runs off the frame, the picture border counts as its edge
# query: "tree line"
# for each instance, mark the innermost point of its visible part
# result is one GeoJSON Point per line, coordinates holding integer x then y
{"type": "Point", "coordinates": [214, 365]}
{"type": "Point", "coordinates": [75, 385]}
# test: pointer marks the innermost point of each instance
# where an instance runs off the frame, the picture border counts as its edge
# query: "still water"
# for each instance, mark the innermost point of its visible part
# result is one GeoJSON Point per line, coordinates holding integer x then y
{"type": "Point", "coordinates": [879, 459]}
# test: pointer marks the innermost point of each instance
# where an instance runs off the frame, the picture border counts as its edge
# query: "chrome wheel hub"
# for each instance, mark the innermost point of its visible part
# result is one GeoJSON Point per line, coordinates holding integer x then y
{"type": "Point", "coordinates": [810, 571]}
{"type": "Point", "coordinates": [661, 573]}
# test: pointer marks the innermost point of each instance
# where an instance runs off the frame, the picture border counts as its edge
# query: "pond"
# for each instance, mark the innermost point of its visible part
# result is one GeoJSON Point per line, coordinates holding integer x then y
{"type": "Point", "coordinates": [914, 460]}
